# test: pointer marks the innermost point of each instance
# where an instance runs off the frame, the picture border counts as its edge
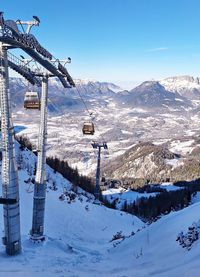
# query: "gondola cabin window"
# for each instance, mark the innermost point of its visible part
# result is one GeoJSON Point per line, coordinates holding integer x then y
{"type": "Point", "coordinates": [88, 128]}
{"type": "Point", "coordinates": [31, 100]}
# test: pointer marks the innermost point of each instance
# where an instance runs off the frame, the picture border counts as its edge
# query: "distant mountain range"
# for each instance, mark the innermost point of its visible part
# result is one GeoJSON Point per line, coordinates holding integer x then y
{"type": "Point", "coordinates": [155, 111]}
{"type": "Point", "coordinates": [175, 92]}
{"type": "Point", "coordinates": [60, 98]}
{"type": "Point", "coordinates": [152, 94]}
{"type": "Point", "coordinates": [186, 86]}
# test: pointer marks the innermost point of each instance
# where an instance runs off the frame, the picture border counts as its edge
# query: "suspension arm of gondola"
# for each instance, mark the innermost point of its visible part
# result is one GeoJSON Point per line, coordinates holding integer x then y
{"type": "Point", "coordinates": [9, 36]}
{"type": "Point", "coordinates": [24, 70]}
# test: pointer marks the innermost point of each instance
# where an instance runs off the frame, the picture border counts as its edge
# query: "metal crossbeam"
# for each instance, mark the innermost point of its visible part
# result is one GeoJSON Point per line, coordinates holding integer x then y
{"type": "Point", "coordinates": [10, 35]}
{"type": "Point", "coordinates": [24, 70]}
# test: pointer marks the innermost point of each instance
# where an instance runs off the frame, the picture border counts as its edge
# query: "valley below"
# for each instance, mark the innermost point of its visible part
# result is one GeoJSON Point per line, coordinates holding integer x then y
{"type": "Point", "coordinates": [126, 127]}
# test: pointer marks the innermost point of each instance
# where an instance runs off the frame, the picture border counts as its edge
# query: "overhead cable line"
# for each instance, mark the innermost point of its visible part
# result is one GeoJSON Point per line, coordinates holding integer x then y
{"type": "Point", "coordinates": [90, 113]}
{"type": "Point", "coordinates": [84, 103]}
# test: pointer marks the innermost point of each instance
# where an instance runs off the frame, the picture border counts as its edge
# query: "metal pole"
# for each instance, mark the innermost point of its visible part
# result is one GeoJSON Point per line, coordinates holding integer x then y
{"type": "Point", "coordinates": [37, 231]}
{"type": "Point", "coordinates": [98, 173]}
{"type": "Point", "coordinates": [10, 185]}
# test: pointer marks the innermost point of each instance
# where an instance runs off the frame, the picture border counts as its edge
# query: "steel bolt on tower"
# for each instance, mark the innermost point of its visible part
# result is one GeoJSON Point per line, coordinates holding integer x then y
{"type": "Point", "coordinates": [10, 185]}
{"type": "Point", "coordinates": [98, 146]}
{"type": "Point", "coordinates": [37, 231]}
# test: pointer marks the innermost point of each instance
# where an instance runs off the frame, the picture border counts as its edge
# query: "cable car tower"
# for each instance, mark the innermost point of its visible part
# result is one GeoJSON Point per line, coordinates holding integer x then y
{"type": "Point", "coordinates": [98, 146]}
{"type": "Point", "coordinates": [11, 37]}
{"type": "Point", "coordinates": [37, 231]}
{"type": "Point", "coordinates": [10, 184]}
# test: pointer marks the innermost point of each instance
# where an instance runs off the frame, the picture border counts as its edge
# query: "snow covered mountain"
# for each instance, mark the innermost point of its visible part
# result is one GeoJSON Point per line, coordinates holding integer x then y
{"type": "Point", "coordinates": [61, 99]}
{"type": "Point", "coordinates": [155, 251]}
{"type": "Point", "coordinates": [186, 86]}
{"type": "Point", "coordinates": [144, 161]}
{"type": "Point", "coordinates": [152, 94]}
{"type": "Point", "coordinates": [174, 92]}
{"type": "Point", "coordinates": [173, 159]}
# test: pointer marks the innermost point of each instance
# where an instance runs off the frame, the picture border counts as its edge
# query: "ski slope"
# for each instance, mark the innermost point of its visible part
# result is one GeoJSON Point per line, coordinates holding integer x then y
{"type": "Point", "coordinates": [78, 234]}
{"type": "Point", "coordinates": [155, 252]}
{"type": "Point", "coordinates": [78, 237]}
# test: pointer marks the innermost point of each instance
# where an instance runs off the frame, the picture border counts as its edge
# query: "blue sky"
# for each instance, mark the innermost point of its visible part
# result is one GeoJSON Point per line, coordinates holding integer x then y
{"type": "Point", "coordinates": [124, 41]}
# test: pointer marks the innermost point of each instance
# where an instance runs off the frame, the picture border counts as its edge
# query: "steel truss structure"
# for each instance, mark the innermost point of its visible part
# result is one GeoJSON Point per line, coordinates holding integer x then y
{"type": "Point", "coordinates": [11, 37]}
{"type": "Point", "coordinates": [10, 185]}
{"type": "Point", "coordinates": [98, 146]}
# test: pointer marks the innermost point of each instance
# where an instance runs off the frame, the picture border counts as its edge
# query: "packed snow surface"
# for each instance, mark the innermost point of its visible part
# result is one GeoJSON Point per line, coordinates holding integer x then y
{"type": "Point", "coordinates": [79, 237]}
{"type": "Point", "coordinates": [78, 234]}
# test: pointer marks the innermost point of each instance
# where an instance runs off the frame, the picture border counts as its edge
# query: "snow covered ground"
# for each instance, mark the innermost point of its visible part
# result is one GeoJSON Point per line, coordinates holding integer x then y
{"type": "Point", "coordinates": [170, 187]}
{"type": "Point", "coordinates": [78, 234]}
{"type": "Point", "coordinates": [122, 195]}
{"type": "Point", "coordinates": [78, 237]}
{"type": "Point", "coordinates": [182, 147]}
{"type": "Point", "coordinates": [155, 252]}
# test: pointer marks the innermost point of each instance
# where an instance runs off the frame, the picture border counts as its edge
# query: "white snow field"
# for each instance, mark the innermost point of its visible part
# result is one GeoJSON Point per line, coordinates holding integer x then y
{"type": "Point", "coordinates": [122, 195]}
{"type": "Point", "coordinates": [78, 238]}
{"type": "Point", "coordinates": [155, 252]}
{"type": "Point", "coordinates": [77, 235]}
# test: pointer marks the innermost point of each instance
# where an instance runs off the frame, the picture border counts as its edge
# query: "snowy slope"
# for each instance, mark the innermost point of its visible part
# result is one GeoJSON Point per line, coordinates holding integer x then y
{"type": "Point", "coordinates": [78, 238]}
{"type": "Point", "coordinates": [121, 195]}
{"type": "Point", "coordinates": [155, 252]}
{"type": "Point", "coordinates": [77, 235]}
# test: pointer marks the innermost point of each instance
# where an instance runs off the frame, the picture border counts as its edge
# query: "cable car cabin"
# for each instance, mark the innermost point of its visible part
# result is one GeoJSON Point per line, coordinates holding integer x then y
{"type": "Point", "coordinates": [31, 100]}
{"type": "Point", "coordinates": [88, 128]}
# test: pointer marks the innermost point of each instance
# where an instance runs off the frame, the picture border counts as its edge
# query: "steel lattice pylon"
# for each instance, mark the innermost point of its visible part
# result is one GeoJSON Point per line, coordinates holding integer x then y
{"type": "Point", "coordinates": [9, 169]}
{"type": "Point", "coordinates": [37, 231]}
{"type": "Point", "coordinates": [11, 37]}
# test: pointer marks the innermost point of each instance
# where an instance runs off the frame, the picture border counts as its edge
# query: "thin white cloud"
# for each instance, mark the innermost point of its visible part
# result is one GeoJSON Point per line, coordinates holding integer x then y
{"type": "Point", "coordinates": [157, 49]}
